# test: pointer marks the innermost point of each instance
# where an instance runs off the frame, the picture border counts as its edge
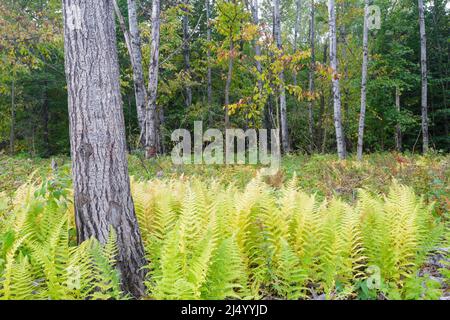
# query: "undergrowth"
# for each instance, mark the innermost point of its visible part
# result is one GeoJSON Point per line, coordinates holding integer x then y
{"type": "Point", "coordinates": [211, 241]}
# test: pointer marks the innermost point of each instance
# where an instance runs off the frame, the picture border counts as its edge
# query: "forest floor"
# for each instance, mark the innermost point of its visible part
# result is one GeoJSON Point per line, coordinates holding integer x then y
{"type": "Point", "coordinates": [323, 175]}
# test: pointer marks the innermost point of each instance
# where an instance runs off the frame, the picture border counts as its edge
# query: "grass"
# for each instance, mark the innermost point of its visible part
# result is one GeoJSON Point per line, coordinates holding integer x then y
{"type": "Point", "coordinates": [324, 175]}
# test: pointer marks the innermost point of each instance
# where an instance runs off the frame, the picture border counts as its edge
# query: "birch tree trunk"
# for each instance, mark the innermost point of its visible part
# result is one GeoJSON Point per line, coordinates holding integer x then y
{"type": "Point", "coordinates": [312, 66]}
{"type": "Point", "coordinates": [423, 64]}
{"type": "Point", "coordinates": [283, 110]}
{"type": "Point", "coordinates": [398, 131]}
{"type": "Point", "coordinates": [151, 120]}
{"type": "Point", "coordinates": [257, 48]}
{"type": "Point", "coordinates": [335, 82]}
{"type": "Point", "coordinates": [228, 81]}
{"type": "Point", "coordinates": [133, 43]}
{"type": "Point", "coordinates": [322, 111]}
{"type": "Point", "coordinates": [13, 114]}
{"type": "Point", "coordinates": [362, 114]}
{"type": "Point", "coordinates": [296, 31]}
{"type": "Point", "coordinates": [186, 54]}
{"type": "Point", "coordinates": [208, 57]}
{"type": "Point", "coordinates": [101, 183]}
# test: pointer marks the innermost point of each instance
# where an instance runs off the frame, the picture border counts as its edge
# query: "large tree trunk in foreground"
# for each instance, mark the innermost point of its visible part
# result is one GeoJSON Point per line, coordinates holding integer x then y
{"type": "Point", "coordinates": [151, 120]}
{"type": "Point", "coordinates": [362, 113]}
{"type": "Point", "coordinates": [423, 64]}
{"type": "Point", "coordinates": [101, 183]}
{"type": "Point", "coordinates": [283, 110]}
{"type": "Point", "coordinates": [340, 141]}
{"type": "Point", "coordinates": [133, 42]}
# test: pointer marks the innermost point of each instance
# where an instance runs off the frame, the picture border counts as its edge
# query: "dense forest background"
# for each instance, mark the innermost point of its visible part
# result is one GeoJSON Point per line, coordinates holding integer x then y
{"type": "Point", "coordinates": [33, 97]}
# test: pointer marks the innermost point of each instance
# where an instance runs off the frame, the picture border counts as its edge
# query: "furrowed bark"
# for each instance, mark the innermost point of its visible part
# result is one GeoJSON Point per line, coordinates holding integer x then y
{"type": "Point", "coordinates": [102, 197]}
{"type": "Point", "coordinates": [362, 113]}
{"type": "Point", "coordinates": [340, 141]}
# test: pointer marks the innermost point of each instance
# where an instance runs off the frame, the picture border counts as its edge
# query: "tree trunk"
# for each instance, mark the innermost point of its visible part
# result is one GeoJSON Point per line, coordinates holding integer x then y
{"type": "Point", "coordinates": [362, 114]}
{"type": "Point", "coordinates": [423, 64]}
{"type": "Point", "coordinates": [45, 119]}
{"type": "Point", "coordinates": [151, 120]}
{"type": "Point", "coordinates": [398, 131]}
{"type": "Point", "coordinates": [12, 135]}
{"type": "Point", "coordinates": [335, 82]}
{"type": "Point", "coordinates": [208, 57]}
{"type": "Point", "coordinates": [186, 54]}
{"type": "Point", "coordinates": [320, 125]}
{"type": "Point", "coordinates": [228, 81]}
{"type": "Point", "coordinates": [296, 31]}
{"type": "Point", "coordinates": [312, 66]}
{"type": "Point", "coordinates": [283, 110]}
{"type": "Point", "coordinates": [133, 42]}
{"type": "Point", "coordinates": [101, 183]}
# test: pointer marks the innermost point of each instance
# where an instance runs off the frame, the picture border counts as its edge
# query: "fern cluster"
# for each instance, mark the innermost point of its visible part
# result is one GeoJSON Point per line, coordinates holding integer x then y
{"type": "Point", "coordinates": [216, 241]}
{"type": "Point", "coordinates": [208, 241]}
{"type": "Point", "coordinates": [38, 260]}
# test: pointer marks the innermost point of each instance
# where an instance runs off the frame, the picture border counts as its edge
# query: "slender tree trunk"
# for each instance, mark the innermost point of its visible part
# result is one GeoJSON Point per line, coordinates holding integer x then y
{"type": "Point", "coordinates": [12, 135]}
{"type": "Point", "coordinates": [283, 110]}
{"type": "Point", "coordinates": [45, 119]}
{"type": "Point", "coordinates": [340, 141]}
{"type": "Point", "coordinates": [320, 125]}
{"type": "Point", "coordinates": [208, 57]}
{"type": "Point", "coordinates": [151, 120]}
{"type": "Point", "coordinates": [186, 54]}
{"type": "Point", "coordinates": [228, 81]}
{"type": "Point", "coordinates": [362, 114]}
{"type": "Point", "coordinates": [444, 71]}
{"type": "Point", "coordinates": [102, 197]}
{"type": "Point", "coordinates": [133, 42]}
{"type": "Point", "coordinates": [398, 131]}
{"type": "Point", "coordinates": [296, 31]}
{"type": "Point", "coordinates": [254, 6]}
{"type": "Point", "coordinates": [423, 64]}
{"type": "Point", "coordinates": [312, 68]}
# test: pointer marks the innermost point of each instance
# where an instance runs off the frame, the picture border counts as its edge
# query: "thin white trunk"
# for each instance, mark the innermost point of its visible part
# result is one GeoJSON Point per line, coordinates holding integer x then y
{"type": "Point", "coordinates": [423, 64]}
{"type": "Point", "coordinates": [283, 110]}
{"type": "Point", "coordinates": [133, 43]}
{"type": "Point", "coordinates": [13, 114]}
{"type": "Point", "coordinates": [186, 55]}
{"type": "Point", "coordinates": [312, 35]}
{"type": "Point", "coordinates": [208, 57]}
{"type": "Point", "coordinates": [335, 81]}
{"type": "Point", "coordinates": [362, 114]}
{"type": "Point", "coordinates": [151, 110]}
{"type": "Point", "coordinates": [228, 81]}
{"type": "Point", "coordinates": [398, 131]}
{"type": "Point", "coordinates": [296, 31]}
